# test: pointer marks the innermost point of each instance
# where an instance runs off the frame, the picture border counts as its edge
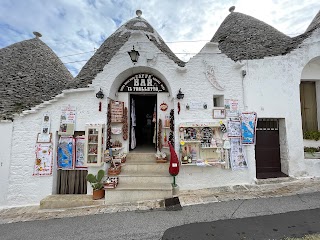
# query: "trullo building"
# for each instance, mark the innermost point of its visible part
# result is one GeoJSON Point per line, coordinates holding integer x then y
{"type": "Point", "coordinates": [235, 112]}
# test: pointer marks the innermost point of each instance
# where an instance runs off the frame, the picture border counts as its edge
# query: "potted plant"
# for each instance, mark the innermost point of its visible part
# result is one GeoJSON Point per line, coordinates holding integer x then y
{"type": "Point", "coordinates": [97, 184]}
{"type": "Point", "coordinates": [311, 152]}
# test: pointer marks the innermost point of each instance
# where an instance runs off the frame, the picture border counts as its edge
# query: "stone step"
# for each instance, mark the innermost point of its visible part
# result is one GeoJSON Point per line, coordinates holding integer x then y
{"type": "Point", "coordinates": [139, 178]}
{"type": "Point", "coordinates": [127, 192]}
{"type": "Point", "coordinates": [142, 157]}
{"type": "Point", "coordinates": [141, 161]}
{"type": "Point", "coordinates": [68, 201]}
{"type": "Point", "coordinates": [147, 168]}
{"type": "Point", "coordinates": [275, 180]}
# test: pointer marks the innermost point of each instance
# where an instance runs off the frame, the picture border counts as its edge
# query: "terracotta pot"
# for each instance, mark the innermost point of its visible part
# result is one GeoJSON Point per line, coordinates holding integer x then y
{"type": "Point", "coordinates": [98, 194]}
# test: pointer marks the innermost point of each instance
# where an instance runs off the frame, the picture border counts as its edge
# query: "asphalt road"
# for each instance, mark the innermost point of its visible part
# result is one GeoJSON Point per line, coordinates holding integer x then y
{"type": "Point", "coordinates": [152, 224]}
{"type": "Point", "coordinates": [278, 226]}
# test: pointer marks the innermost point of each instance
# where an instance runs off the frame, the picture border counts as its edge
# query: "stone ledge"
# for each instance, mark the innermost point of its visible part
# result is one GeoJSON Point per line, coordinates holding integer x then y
{"type": "Point", "coordinates": [68, 201]}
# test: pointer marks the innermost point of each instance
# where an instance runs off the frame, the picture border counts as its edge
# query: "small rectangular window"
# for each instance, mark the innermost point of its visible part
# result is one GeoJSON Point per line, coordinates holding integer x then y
{"type": "Point", "coordinates": [218, 100]}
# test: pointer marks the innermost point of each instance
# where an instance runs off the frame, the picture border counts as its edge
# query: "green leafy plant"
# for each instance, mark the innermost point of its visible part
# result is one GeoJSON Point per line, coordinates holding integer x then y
{"type": "Point", "coordinates": [311, 135]}
{"type": "Point", "coordinates": [96, 180]}
{"type": "Point", "coordinates": [311, 150]}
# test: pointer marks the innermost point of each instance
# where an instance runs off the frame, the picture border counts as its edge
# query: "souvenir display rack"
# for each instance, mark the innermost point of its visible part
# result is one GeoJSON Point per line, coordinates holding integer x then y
{"type": "Point", "coordinates": [202, 144]}
{"type": "Point", "coordinates": [117, 126]}
{"type": "Point", "coordinates": [94, 145]}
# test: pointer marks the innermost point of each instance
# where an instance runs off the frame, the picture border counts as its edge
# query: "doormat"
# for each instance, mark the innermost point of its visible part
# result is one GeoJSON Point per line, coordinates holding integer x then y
{"type": "Point", "coordinates": [172, 204]}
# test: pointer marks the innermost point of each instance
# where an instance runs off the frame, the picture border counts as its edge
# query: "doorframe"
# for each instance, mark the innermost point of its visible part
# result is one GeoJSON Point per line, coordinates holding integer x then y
{"type": "Point", "coordinates": [130, 122]}
{"type": "Point", "coordinates": [277, 124]}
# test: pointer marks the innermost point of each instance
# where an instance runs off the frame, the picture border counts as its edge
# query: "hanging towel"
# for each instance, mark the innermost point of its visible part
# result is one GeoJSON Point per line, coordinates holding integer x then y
{"type": "Point", "coordinates": [133, 124]}
{"type": "Point", "coordinates": [154, 120]}
{"type": "Point", "coordinates": [133, 114]}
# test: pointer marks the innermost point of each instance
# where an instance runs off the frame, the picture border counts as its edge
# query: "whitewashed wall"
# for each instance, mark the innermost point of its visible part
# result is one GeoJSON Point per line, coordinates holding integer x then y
{"type": "Point", "coordinates": [5, 156]}
{"type": "Point", "coordinates": [198, 90]}
{"type": "Point", "coordinates": [272, 90]}
{"type": "Point", "coordinates": [23, 188]}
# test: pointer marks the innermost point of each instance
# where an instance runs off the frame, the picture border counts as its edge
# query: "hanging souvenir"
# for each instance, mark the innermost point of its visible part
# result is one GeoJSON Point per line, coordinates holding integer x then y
{"type": "Point", "coordinates": [108, 142]}
{"type": "Point", "coordinates": [171, 135]}
{"type": "Point", "coordinates": [125, 124]}
{"type": "Point", "coordinates": [223, 127]}
{"type": "Point", "coordinates": [163, 106]}
{"type": "Point", "coordinates": [159, 135]}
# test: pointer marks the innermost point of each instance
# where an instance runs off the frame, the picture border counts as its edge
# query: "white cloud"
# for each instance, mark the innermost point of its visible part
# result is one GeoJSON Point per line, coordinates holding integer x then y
{"type": "Point", "coordinates": [75, 26]}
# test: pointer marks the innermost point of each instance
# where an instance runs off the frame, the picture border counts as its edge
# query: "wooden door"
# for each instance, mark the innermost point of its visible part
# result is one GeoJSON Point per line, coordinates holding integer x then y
{"type": "Point", "coordinates": [267, 149]}
{"type": "Point", "coordinates": [308, 103]}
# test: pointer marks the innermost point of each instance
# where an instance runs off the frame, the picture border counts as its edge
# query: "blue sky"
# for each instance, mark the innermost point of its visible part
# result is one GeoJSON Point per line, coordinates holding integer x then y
{"type": "Point", "coordinates": [70, 27]}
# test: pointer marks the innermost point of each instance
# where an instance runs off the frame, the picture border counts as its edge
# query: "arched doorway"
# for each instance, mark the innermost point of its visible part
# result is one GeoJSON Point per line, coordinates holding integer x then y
{"type": "Point", "coordinates": [144, 91]}
{"type": "Point", "coordinates": [310, 95]}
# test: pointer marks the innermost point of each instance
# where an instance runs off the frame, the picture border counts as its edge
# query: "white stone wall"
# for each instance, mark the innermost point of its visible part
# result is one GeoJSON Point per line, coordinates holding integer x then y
{"type": "Point", "coordinates": [5, 156]}
{"type": "Point", "coordinates": [23, 188]}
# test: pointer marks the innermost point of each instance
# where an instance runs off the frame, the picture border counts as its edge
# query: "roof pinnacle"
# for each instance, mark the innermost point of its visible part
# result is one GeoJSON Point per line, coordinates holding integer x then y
{"type": "Point", "coordinates": [37, 34]}
{"type": "Point", "coordinates": [139, 13]}
{"type": "Point", "coordinates": [231, 9]}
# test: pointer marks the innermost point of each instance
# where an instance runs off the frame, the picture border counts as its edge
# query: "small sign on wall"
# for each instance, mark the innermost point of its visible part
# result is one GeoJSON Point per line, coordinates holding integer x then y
{"type": "Point", "coordinates": [44, 138]}
{"type": "Point", "coordinates": [116, 111]}
{"type": "Point", "coordinates": [45, 127]}
{"type": "Point", "coordinates": [67, 120]}
{"type": "Point", "coordinates": [232, 107]}
{"type": "Point", "coordinates": [219, 113]}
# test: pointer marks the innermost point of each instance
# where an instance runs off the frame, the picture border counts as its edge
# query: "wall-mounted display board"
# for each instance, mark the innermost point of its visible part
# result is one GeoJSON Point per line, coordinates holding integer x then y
{"type": "Point", "coordinates": [45, 126]}
{"type": "Point", "coordinates": [238, 157]}
{"type": "Point", "coordinates": [65, 152]}
{"type": "Point", "coordinates": [116, 111]}
{"type": "Point", "coordinates": [232, 107]}
{"type": "Point", "coordinates": [43, 163]}
{"type": "Point", "coordinates": [248, 127]}
{"type": "Point", "coordinates": [80, 153]}
{"type": "Point", "coordinates": [234, 129]}
{"type": "Point", "coordinates": [67, 120]}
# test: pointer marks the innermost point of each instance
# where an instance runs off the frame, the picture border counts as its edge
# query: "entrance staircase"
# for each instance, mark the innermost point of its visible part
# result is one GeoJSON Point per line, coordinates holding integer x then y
{"type": "Point", "coordinates": [141, 178]}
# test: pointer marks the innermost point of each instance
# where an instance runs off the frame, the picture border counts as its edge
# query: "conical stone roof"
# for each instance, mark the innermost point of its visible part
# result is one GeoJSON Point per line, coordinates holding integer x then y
{"type": "Point", "coordinates": [30, 73]}
{"type": "Point", "coordinates": [242, 37]}
{"type": "Point", "coordinates": [113, 44]}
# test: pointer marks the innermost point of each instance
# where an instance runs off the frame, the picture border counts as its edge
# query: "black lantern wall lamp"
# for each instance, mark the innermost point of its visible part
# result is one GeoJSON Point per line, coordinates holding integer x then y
{"type": "Point", "coordinates": [134, 55]}
{"type": "Point", "coordinates": [180, 95]}
{"type": "Point", "coordinates": [100, 95]}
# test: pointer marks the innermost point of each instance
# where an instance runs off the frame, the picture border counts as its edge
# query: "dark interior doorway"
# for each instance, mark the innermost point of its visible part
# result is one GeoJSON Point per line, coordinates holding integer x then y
{"type": "Point", "coordinates": [267, 149]}
{"type": "Point", "coordinates": [145, 129]}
